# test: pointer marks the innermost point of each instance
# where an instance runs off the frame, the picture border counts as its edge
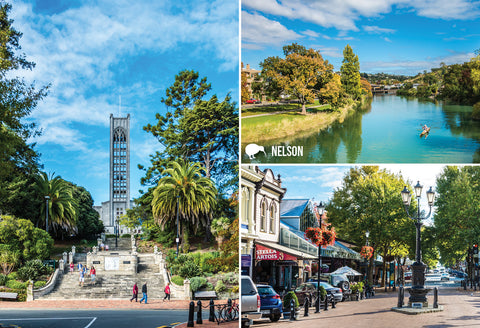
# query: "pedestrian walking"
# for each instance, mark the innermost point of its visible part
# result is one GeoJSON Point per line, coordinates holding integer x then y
{"type": "Point", "coordinates": [135, 293]}
{"type": "Point", "coordinates": [81, 277]}
{"type": "Point", "coordinates": [144, 292]}
{"type": "Point", "coordinates": [93, 274]}
{"type": "Point", "coordinates": [72, 266]}
{"type": "Point", "coordinates": [167, 292]}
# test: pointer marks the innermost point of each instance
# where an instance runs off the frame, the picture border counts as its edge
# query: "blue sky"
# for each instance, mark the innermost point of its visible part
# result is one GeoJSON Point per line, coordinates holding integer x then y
{"type": "Point", "coordinates": [318, 182]}
{"type": "Point", "coordinates": [93, 52]}
{"type": "Point", "coordinates": [393, 36]}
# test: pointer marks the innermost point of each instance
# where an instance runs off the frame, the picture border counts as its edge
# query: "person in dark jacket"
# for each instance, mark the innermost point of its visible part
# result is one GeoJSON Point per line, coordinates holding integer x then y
{"type": "Point", "coordinates": [144, 292]}
{"type": "Point", "coordinates": [135, 293]}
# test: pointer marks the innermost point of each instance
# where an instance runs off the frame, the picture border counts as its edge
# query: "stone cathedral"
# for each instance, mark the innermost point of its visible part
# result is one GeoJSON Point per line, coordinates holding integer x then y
{"type": "Point", "coordinates": [111, 210]}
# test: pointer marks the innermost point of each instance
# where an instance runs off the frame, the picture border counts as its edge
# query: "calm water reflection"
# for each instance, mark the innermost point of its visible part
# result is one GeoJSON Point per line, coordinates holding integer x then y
{"type": "Point", "coordinates": [387, 131]}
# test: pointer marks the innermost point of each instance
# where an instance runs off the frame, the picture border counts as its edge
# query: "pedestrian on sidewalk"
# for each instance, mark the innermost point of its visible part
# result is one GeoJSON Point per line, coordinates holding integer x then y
{"type": "Point", "coordinates": [135, 293]}
{"type": "Point", "coordinates": [81, 277]}
{"type": "Point", "coordinates": [167, 292]}
{"type": "Point", "coordinates": [93, 274]}
{"type": "Point", "coordinates": [144, 292]}
{"type": "Point", "coordinates": [72, 266]}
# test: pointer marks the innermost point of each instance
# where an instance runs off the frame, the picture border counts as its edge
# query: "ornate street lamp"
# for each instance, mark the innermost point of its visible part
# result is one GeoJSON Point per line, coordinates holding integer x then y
{"type": "Point", "coordinates": [418, 291]}
{"type": "Point", "coordinates": [47, 198]}
{"type": "Point", "coordinates": [321, 210]}
{"type": "Point", "coordinates": [367, 234]}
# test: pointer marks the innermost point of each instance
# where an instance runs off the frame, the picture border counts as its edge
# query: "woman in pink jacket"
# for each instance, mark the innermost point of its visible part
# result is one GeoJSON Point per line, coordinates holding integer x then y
{"type": "Point", "coordinates": [135, 293]}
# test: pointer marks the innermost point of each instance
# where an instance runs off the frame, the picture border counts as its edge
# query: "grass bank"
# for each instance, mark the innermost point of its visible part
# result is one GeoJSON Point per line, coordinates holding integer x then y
{"type": "Point", "coordinates": [276, 107]}
{"type": "Point", "coordinates": [269, 127]}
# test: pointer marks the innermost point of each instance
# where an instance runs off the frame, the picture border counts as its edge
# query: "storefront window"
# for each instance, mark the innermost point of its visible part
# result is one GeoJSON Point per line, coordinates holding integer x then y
{"type": "Point", "coordinates": [263, 214]}
{"type": "Point", "coordinates": [272, 218]}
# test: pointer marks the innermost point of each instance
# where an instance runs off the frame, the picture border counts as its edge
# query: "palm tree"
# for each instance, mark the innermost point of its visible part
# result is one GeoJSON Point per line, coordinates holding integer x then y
{"type": "Point", "coordinates": [184, 182]}
{"type": "Point", "coordinates": [62, 207]}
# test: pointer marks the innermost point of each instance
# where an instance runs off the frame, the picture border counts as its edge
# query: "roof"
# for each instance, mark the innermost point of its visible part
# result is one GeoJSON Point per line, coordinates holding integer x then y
{"type": "Point", "coordinates": [293, 207]}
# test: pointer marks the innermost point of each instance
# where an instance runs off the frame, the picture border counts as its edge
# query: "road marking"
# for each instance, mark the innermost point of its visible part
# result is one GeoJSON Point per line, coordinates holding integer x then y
{"type": "Point", "coordinates": [71, 318]}
{"type": "Point", "coordinates": [175, 323]}
{"type": "Point", "coordinates": [91, 322]}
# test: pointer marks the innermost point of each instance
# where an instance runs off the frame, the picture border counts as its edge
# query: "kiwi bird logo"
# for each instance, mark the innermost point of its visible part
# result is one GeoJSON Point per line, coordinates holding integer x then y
{"type": "Point", "coordinates": [252, 149]}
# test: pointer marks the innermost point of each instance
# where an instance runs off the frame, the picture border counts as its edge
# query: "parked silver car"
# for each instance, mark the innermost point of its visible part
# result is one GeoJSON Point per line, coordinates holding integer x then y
{"type": "Point", "coordinates": [250, 302]}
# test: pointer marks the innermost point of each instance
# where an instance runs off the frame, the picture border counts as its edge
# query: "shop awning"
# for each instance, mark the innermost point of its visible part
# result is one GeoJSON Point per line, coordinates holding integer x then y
{"type": "Point", "coordinates": [292, 252]}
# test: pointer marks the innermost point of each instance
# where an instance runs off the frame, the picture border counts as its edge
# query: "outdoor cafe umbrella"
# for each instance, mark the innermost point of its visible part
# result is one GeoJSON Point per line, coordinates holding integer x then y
{"type": "Point", "coordinates": [347, 271]}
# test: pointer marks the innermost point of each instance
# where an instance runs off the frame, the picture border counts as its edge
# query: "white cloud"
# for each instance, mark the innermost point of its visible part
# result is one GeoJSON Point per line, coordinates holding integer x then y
{"type": "Point", "coordinates": [311, 33]}
{"type": "Point", "coordinates": [377, 30]}
{"type": "Point", "coordinates": [259, 30]}
{"type": "Point", "coordinates": [387, 39]}
{"type": "Point", "coordinates": [342, 14]}
{"type": "Point", "coordinates": [81, 52]}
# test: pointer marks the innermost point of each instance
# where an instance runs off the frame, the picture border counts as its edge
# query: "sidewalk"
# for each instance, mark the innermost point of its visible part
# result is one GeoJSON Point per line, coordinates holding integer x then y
{"type": "Point", "coordinates": [460, 310]}
{"type": "Point", "coordinates": [103, 304]}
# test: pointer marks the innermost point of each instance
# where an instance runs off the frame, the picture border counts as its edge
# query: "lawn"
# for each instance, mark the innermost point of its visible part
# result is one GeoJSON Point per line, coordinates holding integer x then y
{"type": "Point", "coordinates": [258, 110]}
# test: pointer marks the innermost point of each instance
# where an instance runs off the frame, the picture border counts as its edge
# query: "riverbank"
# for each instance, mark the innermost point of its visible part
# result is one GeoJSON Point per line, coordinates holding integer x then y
{"type": "Point", "coordinates": [278, 126]}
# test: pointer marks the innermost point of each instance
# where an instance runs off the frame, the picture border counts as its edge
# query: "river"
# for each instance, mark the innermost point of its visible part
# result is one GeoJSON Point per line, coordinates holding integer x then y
{"type": "Point", "coordinates": [386, 131]}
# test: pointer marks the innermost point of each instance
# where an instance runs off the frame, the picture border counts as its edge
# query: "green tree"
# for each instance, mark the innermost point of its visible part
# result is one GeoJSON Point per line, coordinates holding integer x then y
{"type": "Point", "coordinates": [332, 92]}
{"type": "Point", "coordinates": [457, 223]}
{"type": "Point", "coordinates": [301, 74]}
{"type": "Point", "coordinates": [18, 159]}
{"type": "Point", "coordinates": [197, 130]}
{"type": "Point", "coordinates": [88, 222]}
{"type": "Point", "coordinates": [369, 199]}
{"type": "Point", "coordinates": [19, 235]}
{"type": "Point", "coordinates": [62, 206]}
{"type": "Point", "coordinates": [184, 182]}
{"type": "Point", "coordinates": [350, 73]}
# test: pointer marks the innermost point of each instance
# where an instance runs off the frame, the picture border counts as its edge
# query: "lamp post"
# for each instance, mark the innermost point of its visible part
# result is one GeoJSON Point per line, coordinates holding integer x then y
{"type": "Point", "coordinates": [367, 234]}
{"type": "Point", "coordinates": [321, 209]}
{"type": "Point", "coordinates": [47, 198]}
{"type": "Point", "coordinates": [116, 233]}
{"type": "Point", "coordinates": [178, 236]}
{"type": "Point", "coordinates": [418, 292]}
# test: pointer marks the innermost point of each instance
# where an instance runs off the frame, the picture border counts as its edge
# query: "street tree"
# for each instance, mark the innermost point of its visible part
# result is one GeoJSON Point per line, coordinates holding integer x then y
{"type": "Point", "coordinates": [369, 200]}
{"type": "Point", "coordinates": [457, 223]}
{"type": "Point", "coordinates": [350, 73]}
{"type": "Point", "coordinates": [184, 183]}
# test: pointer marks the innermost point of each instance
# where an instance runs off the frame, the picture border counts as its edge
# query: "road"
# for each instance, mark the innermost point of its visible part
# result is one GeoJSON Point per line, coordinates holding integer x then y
{"type": "Point", "coordinates": [91, 318]}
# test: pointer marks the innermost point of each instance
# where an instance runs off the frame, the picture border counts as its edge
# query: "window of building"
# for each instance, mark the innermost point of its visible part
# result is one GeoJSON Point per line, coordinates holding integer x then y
{"type": "Point", "coordinates": [263, 215]}
{"type": "Point", "coordinates": [272, 218]}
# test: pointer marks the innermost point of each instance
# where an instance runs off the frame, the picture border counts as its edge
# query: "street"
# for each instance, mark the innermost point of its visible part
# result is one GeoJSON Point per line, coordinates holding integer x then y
{"type": "Point", "coordinates": [461, 309]}
{"type": "Point", "coordinates": [90, 318]}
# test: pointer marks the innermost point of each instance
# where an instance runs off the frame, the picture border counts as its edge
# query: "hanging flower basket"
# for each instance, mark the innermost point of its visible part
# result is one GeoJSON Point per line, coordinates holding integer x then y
{"type": "Point", "coordinates": [366, 252]}
{"type": "Point", "coordinates": [321, 236]}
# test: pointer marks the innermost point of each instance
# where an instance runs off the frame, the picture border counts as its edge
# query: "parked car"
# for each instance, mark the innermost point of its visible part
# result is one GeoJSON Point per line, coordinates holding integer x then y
{"type": "Point", "coordinates": [444, 277]}
{"type": "Point", "coordinates": [271, 304]}
{"type": "Point", "coordinates": [250, 302]}
{"type": "Point", "coordinates": [408, 275]}
{"type": "Point", "coordinates": [334, 292]}
{"type": "Point", "coordinates": [253, 101]}
{"type": "Point", "coordinates": [336, 280]}
{"type": "Point", "coordinates": [433, 277]}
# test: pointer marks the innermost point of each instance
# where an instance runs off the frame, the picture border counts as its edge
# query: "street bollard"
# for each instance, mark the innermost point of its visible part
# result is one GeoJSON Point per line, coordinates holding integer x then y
{"type": "Point", "coordinates": [333, 303]}
{"type": "Point", "coordinates": [212, 311]}
{"type": "Point", "coordinates": [292, 310]}
{"type": "Point", "coordinates": [435, 298]}
{"type": "Point", "coordinates": [191, 310]}
{"type": "Point", "coordinates": [306, 307]}
{"type": "Point", "coordinates": [326, 303]}
{"type": "Point", "coordinates": [199, 313]}
{"type": "Point", "coordinates": [317, 305]}
{"type": "Point", "coordinates": [464, 284]}
{"type": "Point", "coordinates": [400, 297]}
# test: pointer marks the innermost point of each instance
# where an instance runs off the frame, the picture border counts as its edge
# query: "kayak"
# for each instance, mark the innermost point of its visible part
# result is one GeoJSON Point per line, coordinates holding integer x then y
{"type": "Point", "coordinates": [425, 132]}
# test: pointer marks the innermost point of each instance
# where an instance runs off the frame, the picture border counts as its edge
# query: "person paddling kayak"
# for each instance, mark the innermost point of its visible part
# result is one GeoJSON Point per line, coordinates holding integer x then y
{"type": "Point", "coordinates": [425, 131]}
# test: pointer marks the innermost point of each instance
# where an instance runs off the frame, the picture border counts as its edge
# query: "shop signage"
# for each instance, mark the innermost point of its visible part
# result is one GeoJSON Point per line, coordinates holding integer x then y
{"type": "Point", "coordinates": [246, 260]}
{"type": "Point", "coordinates": [264, 253]}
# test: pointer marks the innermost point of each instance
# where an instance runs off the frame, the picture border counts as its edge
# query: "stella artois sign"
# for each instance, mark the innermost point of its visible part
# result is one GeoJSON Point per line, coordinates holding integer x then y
{"type": "Point", "coordinates": [264, 253]}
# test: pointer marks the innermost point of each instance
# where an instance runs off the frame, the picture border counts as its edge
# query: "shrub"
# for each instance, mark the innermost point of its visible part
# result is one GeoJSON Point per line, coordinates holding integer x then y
{"type": "Point", "coordinates": [177, 280]}
{"type": "Point", "coordinates": [288, 298]}
{"type": "Point", "coordinates": [3, 279]}
{"type": "Point", "coordinates": [190, 269]}
{"type": "Point", "coordinates": [209, 286]}
{"type": "Point", "coordinates": [220, 287]}
{"type": "Point", "coordinates": [476, 111]}
{"type": "Point", "coordinates": [196, 283]}
{"type": "Point", "coordinates": [15, 284]}
{"type": "Point", "coordinates": [126, 235]}
{"type": "Point", "coordinates": [39, 284]}
{"type": "Point", "coordinates": [32, 270]}
{"type": "Point", "coordinates": [230, 278]}
{"type": "Point", "coordinates": [234, 290]}
{"type": "Point", "coordinates": [110, 235]}
{"type": "Point", "coordinates": [12, 276]}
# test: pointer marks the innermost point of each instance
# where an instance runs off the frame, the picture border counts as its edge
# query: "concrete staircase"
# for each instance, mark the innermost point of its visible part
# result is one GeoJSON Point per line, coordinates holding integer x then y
{"type": "Point", "coordinates": [111, 286]}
